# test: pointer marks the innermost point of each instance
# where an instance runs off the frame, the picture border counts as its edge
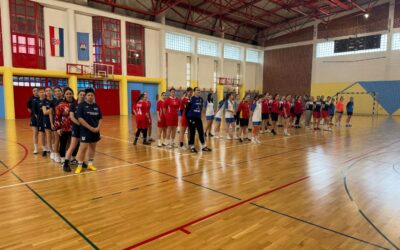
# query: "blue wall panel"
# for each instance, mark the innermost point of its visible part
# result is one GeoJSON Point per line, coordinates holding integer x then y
{"type": "Point", "coordinates": [388, 93]}
{"type": "Point", "coordinates": [152, 90]}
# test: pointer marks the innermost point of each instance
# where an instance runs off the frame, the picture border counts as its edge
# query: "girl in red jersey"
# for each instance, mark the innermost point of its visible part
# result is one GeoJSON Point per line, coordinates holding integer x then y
{"type": "Point", "coordinates": [75, 135]}
{"type": "Point", "coordinates": [63, 123]}
{"type": "Point", "coordinates": [280, 118]}
{"type": "Point", "coordinates": [274, 112]}
{"type": "Point", "coordinates": [264, 114]}
{"type": "Point", "coordinates": [171, 107]}
{"type": "Point", "coordinates": [149, 115]}
{"type": "Point", "coordinates": [182, 108]}
{"type": "Point", "coordinates": [162, 124]}
{"type": "Point", "coordinates": [286, 114]}
{"type": "Point", "coordinates": [244, 116]}
{"type": "Point", "coordinates": [142, 119]}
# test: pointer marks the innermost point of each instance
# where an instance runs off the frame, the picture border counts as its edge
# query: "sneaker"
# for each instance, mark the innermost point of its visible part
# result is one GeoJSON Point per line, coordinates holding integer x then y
{"type": "Point", "coordinates": [150, 140]}
{"type": "Point", "coordinates": [159, 145]}
{"type": "Point", "coordinates": [163, 144]}
{"type": "Point", "coordinates": [146, 143]}
{"type": "Point", "coordinates": [66, 167]}
{"type": "Point", "coordinates": [268, 131]}
{"type": "Point", "coordinates": [240, 139]}
{"type": "Point", "coordinates": [78, 170]}
{"type": "Point", "coordinates": [169, 145]}
{"type": "Point", "coordinates": [273, 132]}
{"type": "Point", "coordinates": [286, 134]}
{"type": "Point", "coordinates": [85, 166]}
{"type": "Point", "coordinates": [73, 162]}
{"type": "Point", "coordinates": [135, 141]}
{"type": "Point", "coordinates": [44, 154]}
{"type": "Point", "coordinates": [91, 168]}
{"type": "Point", "coordinates": [193, 150]}
{"type": "Point", "coordinates": [216, 136]}
{"type": "Point", "coordinates": [57, 159]}
{"type": "Point", "coordinates": [253, 141]}
{"type": "Point", "coordinates": [35, 151]}
{"type": "Point", "coordinates": [235, 137]}
{"type": "Point", "coordinates": [205, 134]}
{"type": "Point", "coordinates": [258, 141]}
{"type": "Point", "coordinates": [206, 149]}
{"type": "Point", "coordinates": [52, 156]}
{"type": "Point", "coordinates": [228, 137]}
{"type": "Point", "coordinates": [247, 139]}
{"type": "Point", "coordinates": [210, 135]}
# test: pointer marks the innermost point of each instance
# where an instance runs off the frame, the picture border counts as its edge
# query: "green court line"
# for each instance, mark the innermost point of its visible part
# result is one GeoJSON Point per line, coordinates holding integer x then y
{"type": "Point", "coordinates": [91, 243]}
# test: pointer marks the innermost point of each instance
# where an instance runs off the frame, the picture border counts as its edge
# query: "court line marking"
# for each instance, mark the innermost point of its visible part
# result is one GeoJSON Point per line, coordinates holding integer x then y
{"type": "Point", "coordinates": [318, 226]}
{"type": "Point", "coordinates": [18, 163]}
{"type": "Point", "coordinates": [345, 175]}
{"type": "Point", "coordinates": [62, 217]}
{"type": "Point", "coordinates": [203, 218]}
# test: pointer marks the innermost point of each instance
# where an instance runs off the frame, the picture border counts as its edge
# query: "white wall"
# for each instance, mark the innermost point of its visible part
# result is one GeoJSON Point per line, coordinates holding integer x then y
{"type": "Point", "coordinates": [252, 77]}
{"type": "Point", "coordinates": [206, 72]}
{"type": "Point", "coordinates": [230, 68]}
{"type": "Point", "coordinates": [152, 52]}
{"type": "Point", "coordinates": [376, 66]}
{"type": "Point", "coordinates": [83, 24]}
{"type": "Point", "coordinates": [58, 19]}
{"type": "Point", "coordinates": [176, 70]}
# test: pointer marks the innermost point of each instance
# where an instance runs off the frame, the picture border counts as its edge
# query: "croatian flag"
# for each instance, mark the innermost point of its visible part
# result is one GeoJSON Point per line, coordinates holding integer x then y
{"type": "Point", "coordinates": [57, 41]}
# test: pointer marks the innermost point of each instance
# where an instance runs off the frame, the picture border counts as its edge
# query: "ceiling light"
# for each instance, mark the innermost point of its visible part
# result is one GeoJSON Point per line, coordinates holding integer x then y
{"type": "Point", "coordinates": [366, 15]}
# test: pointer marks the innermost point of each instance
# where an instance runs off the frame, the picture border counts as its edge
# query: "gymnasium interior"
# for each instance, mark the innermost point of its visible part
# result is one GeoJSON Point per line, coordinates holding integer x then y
{"type": "Point", "coordinates": [303, 189]}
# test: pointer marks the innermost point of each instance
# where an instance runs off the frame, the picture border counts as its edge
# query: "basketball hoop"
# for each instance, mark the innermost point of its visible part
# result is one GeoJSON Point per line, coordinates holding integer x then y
{"type": "Point", "coordinates": [229, 81]}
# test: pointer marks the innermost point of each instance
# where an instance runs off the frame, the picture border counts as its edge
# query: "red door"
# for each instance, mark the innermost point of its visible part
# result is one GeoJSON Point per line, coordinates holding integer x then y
{"type": "Point", "coordinates": [108, 101]}
{"type": "Point", "coordinates": [134, 96]}
{"type": "Point", "coordinates": [21, 97]}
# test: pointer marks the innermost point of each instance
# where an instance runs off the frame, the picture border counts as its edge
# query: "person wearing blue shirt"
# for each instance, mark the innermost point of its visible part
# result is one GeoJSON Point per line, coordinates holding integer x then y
{"type": "Point", "coordinates": [349, 108]}
{"type": "Point", "coordinates": [194, 110]}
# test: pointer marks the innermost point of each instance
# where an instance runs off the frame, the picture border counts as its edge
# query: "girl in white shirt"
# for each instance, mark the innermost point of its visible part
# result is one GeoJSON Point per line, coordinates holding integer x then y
{"type": "Point", "coordinates": [209, 107]}
{"type": "Point", "coordinates": [256, 118]}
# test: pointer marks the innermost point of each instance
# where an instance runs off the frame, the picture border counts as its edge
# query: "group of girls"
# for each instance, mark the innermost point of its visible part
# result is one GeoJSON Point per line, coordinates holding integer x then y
{"type": "Point", "coordinates": [68, 129]}
{"type": "Point", "coordinates": [168, 109]}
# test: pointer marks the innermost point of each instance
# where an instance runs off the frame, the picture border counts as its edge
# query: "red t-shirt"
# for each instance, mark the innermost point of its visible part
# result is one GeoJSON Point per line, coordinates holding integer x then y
{"type": "Point", "coordinates": [275, 106]}
{"type": "Point", "coordinates": [298, 107]}
{"type": "Point", "coordinates": [183, 105]}
{"type": "Point", "coordinates": [171, 106]}
{"type": "Point", "coordinates": [141, 110]}
{"type": "Point", "coordinates": [160, 105]}
{"type": "Point", "coordinates": [264, 107]}
{"type": "Point", "coordinates": [244, 109]}
{"type": "Point", "coordinates": [286, 107]}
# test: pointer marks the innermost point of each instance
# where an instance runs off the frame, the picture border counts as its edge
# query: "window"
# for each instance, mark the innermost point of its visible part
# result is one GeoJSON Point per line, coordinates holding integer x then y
{"type": "Point", "coordinates": [27, 34]}
{"type": "Point", "coordinates": [30, 81]}
{"type": "Point", "coordinates": [97, 84]}
{"type": "Point", "coordinates": [253, 55]}
{"type": "Point", "coordinates": [238, 72]}
{"type": "Point", "coordinates": [135, 49]}
{"type": "Point", "coordinates": [359, 46]}
{"type": "Point", "coordinates": [188, 70]}
{"type": "Point", "coordinates": [179, 42]}
{"type": "Point", "coordinates": [396, 41]}
{"type": "Point", "coordinates": [107, 42]}
{"type": "Point", "coordinates": [215, 80]}
{"type": "Point", "coordinates": [207, 48]}
{"type": "Point", "coordinates": [232, 52]}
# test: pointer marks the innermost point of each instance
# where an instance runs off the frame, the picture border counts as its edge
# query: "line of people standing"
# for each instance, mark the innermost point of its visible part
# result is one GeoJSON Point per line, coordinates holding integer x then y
{"type": "Point", "coordinates": [67, 129]}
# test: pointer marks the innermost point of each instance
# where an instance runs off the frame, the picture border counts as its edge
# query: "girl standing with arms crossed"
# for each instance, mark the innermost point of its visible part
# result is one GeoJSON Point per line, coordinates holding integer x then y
{"type": "Point", "coordinates": [256, 118]}
{"type": "Point", "coordinates": [75, 134]}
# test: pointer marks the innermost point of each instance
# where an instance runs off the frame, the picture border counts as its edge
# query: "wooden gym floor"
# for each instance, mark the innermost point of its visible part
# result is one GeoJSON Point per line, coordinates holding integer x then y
{"type": "Point", "coordinates": [311, 190]}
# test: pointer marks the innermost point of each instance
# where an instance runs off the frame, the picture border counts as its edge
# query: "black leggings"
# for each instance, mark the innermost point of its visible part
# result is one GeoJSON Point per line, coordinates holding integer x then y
{"type": "Point", "coordinates": [64, 139]}
{"type": "Point", "coordinates": [144, 132]}
{"type": "Point", "coordinates": [298, 119]}
{"type": "Point", "coordinates": [195, 123]}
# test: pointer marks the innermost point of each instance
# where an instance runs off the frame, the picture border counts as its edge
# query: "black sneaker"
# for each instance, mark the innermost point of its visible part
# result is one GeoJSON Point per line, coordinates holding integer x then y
{"type": "Point", "coordinates": [193, 150]}
{"type": "Point", "coordinates": [146, 143]}
{"type": "Point", "coordinates": [206, 149]}
{"type": "Point", "coordinates": [66, 167]}
{"type": "Point", "coordinates": [44, 154]}
{"type": "Point", "coordinates": [73, 162]}
{"type": "Point", "coordinates": [150, 140]}
{"type": "Point", "coordinates": [240, 139]}
{"type": "Point", "coordinates": [273, 132]}
{"type": "Point", "coordinates": [210, 135]}
{"type": "Point", "coordinates": [84, 166]}
{"type": "Point", "coordinates": [248, 139]}
{"type": "Point", "coordinates": [205, 135]}
{"type": "Point", "coordinates": [135, 141]}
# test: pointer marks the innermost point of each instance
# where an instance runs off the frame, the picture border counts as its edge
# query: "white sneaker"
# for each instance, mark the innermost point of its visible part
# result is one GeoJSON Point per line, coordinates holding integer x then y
{"type": "Point", "coordinates": [57, 159]}
{"type": "Point", "coordinates": [253, 141]}
{"type": "Point", "coordinates": [258, 141]}
{"type": "Point", "coordinates": [52, 156]}
{"type": "Point", "coordinates": [159, 144]}
{"type": "Point", "coordinates": [169, 145]}
{"type": "Point", "coordinates": [286, 134]}
{"type": "Point", "coordinates": [268, 131]}
{"type": "Point", "coordinates": [228, 137]}
{"type": "Point", "coordinates": [236, 138]}
{"type": "Point", "coordinates": [35, 151]}
{"type": "Point", "coordinates": [216, 136]}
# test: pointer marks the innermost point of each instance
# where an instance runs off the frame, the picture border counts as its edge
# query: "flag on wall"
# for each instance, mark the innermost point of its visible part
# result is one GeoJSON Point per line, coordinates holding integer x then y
{"type": "Point", "coordinates": [83, 46]}
{"type": "Point", "coordinates": [57, 41]}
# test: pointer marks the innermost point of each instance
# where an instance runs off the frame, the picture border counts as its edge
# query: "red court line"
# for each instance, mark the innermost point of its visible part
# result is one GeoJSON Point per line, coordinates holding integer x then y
{"type": "Point", "coordinates": [182, 227]}
{"type": "Point", "coordinates": [18, 163]}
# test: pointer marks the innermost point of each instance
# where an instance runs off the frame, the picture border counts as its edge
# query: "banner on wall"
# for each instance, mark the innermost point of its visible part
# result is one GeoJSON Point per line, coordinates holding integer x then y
{"type": "Point", "coordinates": [83, 46]}
{"type": "Point", "coordinates": [57, 41]}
